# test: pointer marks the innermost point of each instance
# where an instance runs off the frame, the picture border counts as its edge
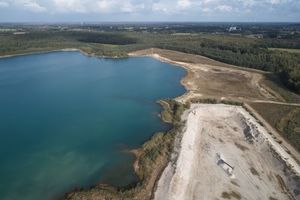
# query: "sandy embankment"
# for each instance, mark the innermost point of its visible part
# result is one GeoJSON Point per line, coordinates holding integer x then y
{"type": "Point", "coordinates": [225, 153]}
{"type": "Point", "coordinates": [207, 78]}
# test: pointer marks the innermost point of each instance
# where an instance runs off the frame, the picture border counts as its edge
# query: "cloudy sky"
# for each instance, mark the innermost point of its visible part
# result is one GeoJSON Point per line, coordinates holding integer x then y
{"type": "Point", "coordinates": [148, 10]}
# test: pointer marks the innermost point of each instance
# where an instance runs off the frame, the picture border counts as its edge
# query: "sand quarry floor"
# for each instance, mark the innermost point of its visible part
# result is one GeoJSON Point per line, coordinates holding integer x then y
{"type": "Point", "coordinates": [223, 153]}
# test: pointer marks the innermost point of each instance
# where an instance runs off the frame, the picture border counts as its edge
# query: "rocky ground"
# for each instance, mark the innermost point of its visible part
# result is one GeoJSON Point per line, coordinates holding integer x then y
{"type": "Point", "coordinates": [226, 154]}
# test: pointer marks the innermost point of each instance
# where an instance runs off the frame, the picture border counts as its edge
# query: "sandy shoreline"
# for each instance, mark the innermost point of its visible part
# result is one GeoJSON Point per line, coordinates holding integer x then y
{"type": "Point", "coordinates": [231, 133]}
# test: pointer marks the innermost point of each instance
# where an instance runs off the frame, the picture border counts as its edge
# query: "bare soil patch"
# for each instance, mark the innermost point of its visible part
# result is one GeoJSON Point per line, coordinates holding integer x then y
{"type": "Point", "coordinates": [210, 78]}
{"type": "Point", "coordinates": [236, 168]}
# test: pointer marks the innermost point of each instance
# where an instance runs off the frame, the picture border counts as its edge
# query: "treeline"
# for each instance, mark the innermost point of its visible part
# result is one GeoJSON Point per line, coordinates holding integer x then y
{"type": "Point", "coordinates": [62, 36]}
{"type": "Point", "coordinates": [103, 38]}
{"type": "Point", "coordinates": [90, 42]}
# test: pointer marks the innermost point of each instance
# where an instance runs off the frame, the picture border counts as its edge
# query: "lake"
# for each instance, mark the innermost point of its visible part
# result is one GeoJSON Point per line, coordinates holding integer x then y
{"type": "Point", "coordinates": [67, 120]}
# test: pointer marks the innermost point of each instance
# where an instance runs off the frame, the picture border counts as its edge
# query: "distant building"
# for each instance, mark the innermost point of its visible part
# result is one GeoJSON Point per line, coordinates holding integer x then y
{"type": "Point", "coordinates": [19, 33]}
{"type": "Point", "coordinates": [232, 28]}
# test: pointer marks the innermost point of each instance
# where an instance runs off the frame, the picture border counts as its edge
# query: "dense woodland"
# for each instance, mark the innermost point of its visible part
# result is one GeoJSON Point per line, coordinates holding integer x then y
{"type": "Point", "coordinates": [248, 46]}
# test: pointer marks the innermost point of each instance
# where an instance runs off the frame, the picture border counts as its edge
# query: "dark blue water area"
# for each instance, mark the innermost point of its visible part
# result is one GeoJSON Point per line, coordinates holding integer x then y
{"type": "Point", "coordinates": [66, 120]}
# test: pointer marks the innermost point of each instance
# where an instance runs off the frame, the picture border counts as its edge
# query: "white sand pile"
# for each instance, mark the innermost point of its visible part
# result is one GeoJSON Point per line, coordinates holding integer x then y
{"type": "Point", "coordinates": [226, 154]}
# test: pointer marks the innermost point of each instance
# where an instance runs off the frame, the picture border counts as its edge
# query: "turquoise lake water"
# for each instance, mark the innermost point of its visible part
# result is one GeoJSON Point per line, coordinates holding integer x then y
{"type": "Point", "coordinates": [66, 120]}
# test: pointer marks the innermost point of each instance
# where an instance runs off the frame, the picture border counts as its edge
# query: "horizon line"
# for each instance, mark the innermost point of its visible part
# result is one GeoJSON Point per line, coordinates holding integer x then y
{"type": "Point", "coordinates": [138, 22]}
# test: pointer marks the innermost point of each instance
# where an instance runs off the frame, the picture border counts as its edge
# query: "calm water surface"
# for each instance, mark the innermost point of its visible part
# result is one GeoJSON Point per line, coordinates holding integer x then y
{"type": "Point", "coordinates": [66, 119]}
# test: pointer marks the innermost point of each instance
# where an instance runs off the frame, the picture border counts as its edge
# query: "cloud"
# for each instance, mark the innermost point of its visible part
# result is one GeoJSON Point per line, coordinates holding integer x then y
{"type": "Point", "coordinates": [28, 5]}
{"type": "Point", "coordinates": [157, 9]}
{"type": "Point", "coordinates": [224, 8]}
{"type": "Point", "coordinates": [118, 6]}
{"type": "Point", "coordinates": [129, 7]}
{"type": "Point", "coordinates": [140, 6]}
{"type": "Point", "coordinates": [169, 7]}
{"type": "Point", "coordinates": [31, 5]}
{"type": "Point", "coordinates": [183, 4]}
{"type": "Point", "coordinates": [70, 6]}
{"type": "Point", "coordinates": [4, 4]}
{"type": "Point", "coordinates": [160, 7]}
{"type": "Point", "coordinates": [104, 5]}
{"type": "Point", "coordinates": [264, 3]}
{"type": "Point", "coordinates": [100, 6]}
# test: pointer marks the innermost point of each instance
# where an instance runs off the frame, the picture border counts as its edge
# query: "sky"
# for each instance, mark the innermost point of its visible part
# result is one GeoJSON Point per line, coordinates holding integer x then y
{"type": "Point", "coordinates": [149, 10]}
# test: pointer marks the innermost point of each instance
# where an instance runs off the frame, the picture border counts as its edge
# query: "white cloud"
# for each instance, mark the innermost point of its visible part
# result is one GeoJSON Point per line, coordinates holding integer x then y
{"type": "Point", "coordinates": [129, 7]}
{"type": "Point", "coordinates": [224, 8]}
{"type": "Point", "coordinates": [169, 7]}
{"type": "Point", "coordinates": [206, 10]}
{"type": "Point", "coordinates": [138, 6]}
{"type": "Point", "coordinates": [31, 5]}
{"type": "Point", "coordinates": [100, 6]}
{"type": "Point", "coordinates": [275, 2]}
{"type": "Point", "coordinates": [248, 3]}
{"type": "Point", "coordinates": [160, 7]}
{"type": "Point", "coordinates": [70, 6]}
{"type": "Point", "coordinates": [183, 4]}
{"type": "Point", "coordinates": [174, 9]}
{"type": "Point", "coordinates": [262, 3]}
{"type": "Point", "coordinates": [104, 6]}
{"type": "Point", "coordinates": [4, 4]}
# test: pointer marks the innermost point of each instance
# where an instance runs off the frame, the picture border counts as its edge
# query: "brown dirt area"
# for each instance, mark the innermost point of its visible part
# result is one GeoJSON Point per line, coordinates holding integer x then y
{"type": "Point", "coordinates": [213, 79]}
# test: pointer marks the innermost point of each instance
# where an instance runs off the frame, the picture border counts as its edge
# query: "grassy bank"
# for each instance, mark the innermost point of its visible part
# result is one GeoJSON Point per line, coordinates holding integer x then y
{"type": "Point", "coordinates": [285, 119]}
{"type": "Point", "coordinates": [152, 158]}
{"type": "Point", "coordinates": [276, 85]}
{"type": "Point", "coordinates": [287, 50]}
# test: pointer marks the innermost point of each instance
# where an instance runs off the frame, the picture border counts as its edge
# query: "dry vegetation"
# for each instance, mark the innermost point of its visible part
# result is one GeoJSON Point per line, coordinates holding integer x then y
{"type": "Point", "coordinates": [274, 83]}
{"type": "Point", "coordinates": [286, 120]}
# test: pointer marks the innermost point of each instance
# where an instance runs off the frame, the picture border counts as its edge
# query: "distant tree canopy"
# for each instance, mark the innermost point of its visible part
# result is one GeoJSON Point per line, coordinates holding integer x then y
{"type": "Point", "coordinates": [104, 38]}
